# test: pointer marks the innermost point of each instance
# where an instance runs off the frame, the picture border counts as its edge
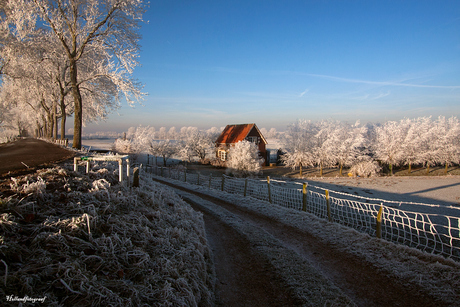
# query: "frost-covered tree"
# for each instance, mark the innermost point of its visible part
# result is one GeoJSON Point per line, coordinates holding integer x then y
{"type": "Point", "coordinates": [412, 141]}
{"type": "Point", "coordinates": [298, 142]}
{"type": "Point", "coordinates": [348, 144]}
{"type": "Point", "coordinates": [108, 28]}
{"type": "Point", "coordinates": [272, 133]}
{"type": "Point", "coordinates": [388, 146]}
{"type": "Point", "coordinates": [165, 149]}
{"type": "Point", "coordinates": [448, 142]}
{"type": "Point", "coordinates": [243, 159]}
{"type": "Point", "coordinates": [136, 141]}
{"type": "Point", "coordinates": [325, 143]}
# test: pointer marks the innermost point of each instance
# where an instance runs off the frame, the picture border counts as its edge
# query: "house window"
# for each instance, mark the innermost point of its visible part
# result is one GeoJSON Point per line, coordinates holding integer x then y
{"type": "Point", "coordinates": [253, 139]}
{"type": "Point", "coordinates": [222, 155]}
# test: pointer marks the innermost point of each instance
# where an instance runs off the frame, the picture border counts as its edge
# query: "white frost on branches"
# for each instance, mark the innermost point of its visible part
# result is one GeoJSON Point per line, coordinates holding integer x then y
{"type": "Point", "coordinates": [244, 159]}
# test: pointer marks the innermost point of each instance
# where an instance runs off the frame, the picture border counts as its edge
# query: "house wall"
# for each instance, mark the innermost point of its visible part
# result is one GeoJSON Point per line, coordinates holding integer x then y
{"type": "Point", "coordinates": [261, 144]}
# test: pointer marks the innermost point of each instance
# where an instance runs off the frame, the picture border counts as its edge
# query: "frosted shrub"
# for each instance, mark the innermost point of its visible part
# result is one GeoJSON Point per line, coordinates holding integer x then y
{"type": "Point", "coordinates": [365, 169]}
{"type": "Point", "coordinates": [244, 159]}
{"type": "Point", "coordinates": [37, 187]}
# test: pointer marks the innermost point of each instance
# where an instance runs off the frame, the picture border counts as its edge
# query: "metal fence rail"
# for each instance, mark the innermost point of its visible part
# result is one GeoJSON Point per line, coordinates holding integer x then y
{"type": "Point", "coordinates": [432, 233]}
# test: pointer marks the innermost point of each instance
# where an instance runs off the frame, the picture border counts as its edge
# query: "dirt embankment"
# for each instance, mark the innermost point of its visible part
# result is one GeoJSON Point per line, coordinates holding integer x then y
{"type": "Point", "coordinates": [28, 153]}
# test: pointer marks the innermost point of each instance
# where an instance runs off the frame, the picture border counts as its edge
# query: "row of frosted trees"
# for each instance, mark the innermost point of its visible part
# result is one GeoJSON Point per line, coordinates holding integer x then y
{"type": "Point", "coordinates": [64, 57]}
{"type": "Point", "coordinates": [328, 143]}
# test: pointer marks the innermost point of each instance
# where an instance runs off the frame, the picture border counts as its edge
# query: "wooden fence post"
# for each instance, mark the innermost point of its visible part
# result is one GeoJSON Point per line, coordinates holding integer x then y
{"type": "Point", "coordinates": [245, 186]}
{"type": "Point", "coordinates": [379, 222]}
{"type": "Point", "coordinates": [127, 172]}
{"type": "Point", "coordinates": [304, 199]}
{"type": "Point", "coordinates": [269, 191]}
{"type": "Point", "coordinates": [328, 203]}
{"type": "Point", "coordinates": [120, 170]}
{"type": "Point", "coordinates": [136, 177]}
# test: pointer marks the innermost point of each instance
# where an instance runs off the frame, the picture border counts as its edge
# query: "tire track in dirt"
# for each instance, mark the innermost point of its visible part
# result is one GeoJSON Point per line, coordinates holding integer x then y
{"type": "Point", "coordinates": [365, 284]}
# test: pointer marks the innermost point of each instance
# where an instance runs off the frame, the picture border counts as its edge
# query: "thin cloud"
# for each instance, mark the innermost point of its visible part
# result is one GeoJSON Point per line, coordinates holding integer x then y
{"type": "Point", "coordinates": [381, 96]}
{"type": "Point", "coordinates": [383, 83]}
{"type": "Point", "coordinates": [303, 93]}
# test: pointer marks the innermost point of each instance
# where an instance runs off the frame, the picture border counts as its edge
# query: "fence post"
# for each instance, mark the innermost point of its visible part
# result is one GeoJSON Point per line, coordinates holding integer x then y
{"type": "Point", "coordinates": [245, 186]}
{"type": "Point", "coordinates": [198, 179]}
{"type": "Point", "coordinates": [185, 175]}
{"type": "Point", "coordinates": [210, 180]}
{"type": "Point", "coordinates": [379, 222]}
{"type": "Point", "coordinates": [269, 191]}
{"type": "Point", "coordinates": [75, 164]}
{"type": "Point", "coordinates": [136, 177]}
{"type": "Point", "coordinates": [304, 200]}
{"type": "Point", "coordinates": [120, 170]}
{"type": "Point", "coordinates": [127, 172]}
{"type": "Point", "coordinates": [223, 181]}
{"type": "Point", "coordinates": [328, 203]}
{"type": "Point", "coordinates": [87, 166]}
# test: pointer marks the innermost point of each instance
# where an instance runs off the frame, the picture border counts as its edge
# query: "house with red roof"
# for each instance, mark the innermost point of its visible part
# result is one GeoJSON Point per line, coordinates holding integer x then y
{"type": "Point", "coordinates": [233, 134]}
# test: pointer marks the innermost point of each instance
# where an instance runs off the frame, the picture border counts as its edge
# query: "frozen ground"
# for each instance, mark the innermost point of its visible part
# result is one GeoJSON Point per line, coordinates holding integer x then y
{"type": "Point", "coordinates": [370, 271]}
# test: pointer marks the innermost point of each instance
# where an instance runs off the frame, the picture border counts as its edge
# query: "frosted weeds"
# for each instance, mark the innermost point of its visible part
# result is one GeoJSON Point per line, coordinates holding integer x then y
{"type": "Point", "coordinates": [87, 240]}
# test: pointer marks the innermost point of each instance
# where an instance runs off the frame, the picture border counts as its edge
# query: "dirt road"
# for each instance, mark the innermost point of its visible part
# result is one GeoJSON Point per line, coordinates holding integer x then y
{"type": "Point", "coordinates": [284, 266]}
{"type": "Point", "coordinates": [29, 153]}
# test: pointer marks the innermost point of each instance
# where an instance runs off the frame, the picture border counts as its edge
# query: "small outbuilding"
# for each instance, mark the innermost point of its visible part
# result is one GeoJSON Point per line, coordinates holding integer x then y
{"type": "Point", "coordinates": [233, 134]}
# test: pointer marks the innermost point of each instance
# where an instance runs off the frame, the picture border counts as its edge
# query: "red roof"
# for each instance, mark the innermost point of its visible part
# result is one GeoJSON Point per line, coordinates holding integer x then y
{"type": "Point", "coordinates": [236, 133]}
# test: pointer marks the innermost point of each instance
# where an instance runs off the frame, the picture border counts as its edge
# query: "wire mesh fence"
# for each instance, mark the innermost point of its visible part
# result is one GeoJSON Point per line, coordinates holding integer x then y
{"type": "Point", "coordinates": [432, 233]}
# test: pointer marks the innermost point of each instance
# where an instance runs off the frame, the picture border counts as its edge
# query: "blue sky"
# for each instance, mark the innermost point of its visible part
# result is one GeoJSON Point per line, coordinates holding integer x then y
{"type": "Point", "coordinates": [213, 63]}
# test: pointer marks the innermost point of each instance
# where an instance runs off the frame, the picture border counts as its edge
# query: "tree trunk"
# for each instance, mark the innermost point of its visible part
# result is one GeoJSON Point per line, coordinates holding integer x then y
{"type": "Point", "coordinates": [427, 169]}
{"type": "Point", "coordinates": [447, 167]}
{"type": "Point", "coordinates": [409, 171]}
{"type": "Point", "coordinates": [300, 165]}
{"type": "Point", "coordinates": [55, 120]}
{"type": "Point", "coordinates": [341, 168]}
{"type": "Point", "coordinates": [321, 169]}
{"type": "Point", "coordinates": [64, 116]}
{"type": "Point", "coordinates": [78, 119]}
{"type": "Point", "coordinates": [391, 169]}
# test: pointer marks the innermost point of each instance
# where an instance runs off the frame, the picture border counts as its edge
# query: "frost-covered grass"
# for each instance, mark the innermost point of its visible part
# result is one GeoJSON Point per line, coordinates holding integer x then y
{"type": "Point", "coordinates": [438, 276]}
{"type": "Point", "coordinates": [87, 240]}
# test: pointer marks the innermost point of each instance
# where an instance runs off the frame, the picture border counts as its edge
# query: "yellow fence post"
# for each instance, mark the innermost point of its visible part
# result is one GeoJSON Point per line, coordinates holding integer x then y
{"type": "Point", "coordinates": [328, 203]}
{"type": "Point", "coordinates": [304, 200]}
{"type": "Point", "coordinates": [379, 222]}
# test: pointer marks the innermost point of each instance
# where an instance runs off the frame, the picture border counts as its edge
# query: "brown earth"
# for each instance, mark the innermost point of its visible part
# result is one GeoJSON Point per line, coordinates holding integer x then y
{"type": "Point", "coordinates": [27, 154]}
